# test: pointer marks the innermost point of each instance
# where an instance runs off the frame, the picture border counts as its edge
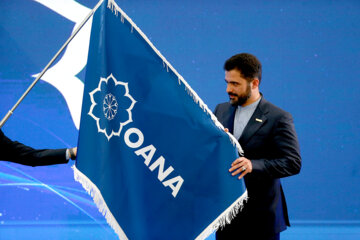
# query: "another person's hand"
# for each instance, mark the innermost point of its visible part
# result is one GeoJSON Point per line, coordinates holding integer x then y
{"type": "Point", "coordinates": [241, 166]}
{"type": "Point", "coordinates": [73, 153]}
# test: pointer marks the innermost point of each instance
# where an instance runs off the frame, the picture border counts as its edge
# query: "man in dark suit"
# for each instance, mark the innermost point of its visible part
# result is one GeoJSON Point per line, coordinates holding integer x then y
{"type": "Point", "coordinates": [271, 151]}
{"type": "Point", "coordinates": [19, 153]}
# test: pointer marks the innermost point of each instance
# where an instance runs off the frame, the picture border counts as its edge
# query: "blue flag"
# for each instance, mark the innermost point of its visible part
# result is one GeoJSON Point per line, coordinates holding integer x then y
{"type": "Point", "coordinates": [150, 152]}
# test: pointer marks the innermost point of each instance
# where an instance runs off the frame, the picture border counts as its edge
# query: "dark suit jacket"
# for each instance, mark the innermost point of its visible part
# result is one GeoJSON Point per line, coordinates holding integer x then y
{"type": "Point", "coordinates": [269, 140]}
{"type": "Point", "coordinates": [19, 153]}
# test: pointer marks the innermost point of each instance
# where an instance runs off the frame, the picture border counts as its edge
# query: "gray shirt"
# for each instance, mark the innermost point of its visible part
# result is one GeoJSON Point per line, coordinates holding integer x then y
{"type": "Point", "coordinates": [242, 117]}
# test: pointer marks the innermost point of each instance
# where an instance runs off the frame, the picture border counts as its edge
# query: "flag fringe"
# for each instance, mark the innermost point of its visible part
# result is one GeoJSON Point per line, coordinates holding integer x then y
{"type": "Point", "coordinates": [123, 16]}
{"type": "Point", "coordinates": [219, 223]}
{"type": "Point", "coordinates": [225, 218]}
{"type": "Point", "coordinates": [95, 193]}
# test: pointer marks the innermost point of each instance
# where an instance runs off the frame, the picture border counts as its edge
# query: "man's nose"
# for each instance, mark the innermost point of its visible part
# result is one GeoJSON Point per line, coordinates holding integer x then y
{"type": "Point", "coordinates": [228, 88]}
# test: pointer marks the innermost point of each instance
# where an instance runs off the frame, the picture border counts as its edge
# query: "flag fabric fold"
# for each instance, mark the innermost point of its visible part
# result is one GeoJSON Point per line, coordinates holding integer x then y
{"type": "Point", "coordinates": [151, 154]}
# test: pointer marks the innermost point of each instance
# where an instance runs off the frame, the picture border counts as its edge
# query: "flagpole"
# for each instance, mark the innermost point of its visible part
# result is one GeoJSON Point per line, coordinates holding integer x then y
{"type": "Point", "coordinates": [7, 116]}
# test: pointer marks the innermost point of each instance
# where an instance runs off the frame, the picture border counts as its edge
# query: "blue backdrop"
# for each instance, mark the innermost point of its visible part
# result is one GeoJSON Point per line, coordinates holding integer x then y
{"type": "Point", "coordinates": [310, 56]}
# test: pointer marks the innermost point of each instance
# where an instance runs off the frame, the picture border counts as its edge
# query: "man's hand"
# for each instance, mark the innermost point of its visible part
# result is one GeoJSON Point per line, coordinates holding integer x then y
{"type": "Point", "coordinates": [241, 166]}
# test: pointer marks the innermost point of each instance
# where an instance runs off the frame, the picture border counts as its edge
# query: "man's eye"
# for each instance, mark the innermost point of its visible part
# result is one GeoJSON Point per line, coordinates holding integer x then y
{"type": "Point", "coordinates": [235, 84]}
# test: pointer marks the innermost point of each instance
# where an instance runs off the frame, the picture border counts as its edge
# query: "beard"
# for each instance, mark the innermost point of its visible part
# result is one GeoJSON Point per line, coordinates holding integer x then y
{"type": "Point", "coordinates": [240, 99]}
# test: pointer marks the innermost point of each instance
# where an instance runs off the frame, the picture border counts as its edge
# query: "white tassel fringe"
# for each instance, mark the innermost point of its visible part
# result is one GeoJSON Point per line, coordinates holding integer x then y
{"type": "Point", "coordinates": [225, 218]}
{"type": "Point", "coordinates": [95, 193]}
{"type": "Point", "coordinates": [116, 10]}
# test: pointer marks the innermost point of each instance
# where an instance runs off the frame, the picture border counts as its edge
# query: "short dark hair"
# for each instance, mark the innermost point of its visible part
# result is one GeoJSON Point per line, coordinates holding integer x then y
{"type": "Point", "coordinates": [248, 65]}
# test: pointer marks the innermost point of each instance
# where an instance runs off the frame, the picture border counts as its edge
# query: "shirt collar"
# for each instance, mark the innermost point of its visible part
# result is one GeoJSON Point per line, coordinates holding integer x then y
{"type": "Point", "coordinates": [250, 106]}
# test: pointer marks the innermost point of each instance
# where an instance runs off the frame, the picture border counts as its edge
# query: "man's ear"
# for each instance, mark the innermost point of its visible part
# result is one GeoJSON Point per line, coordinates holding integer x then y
{"type": "Point", "coordinates": [255, 83]}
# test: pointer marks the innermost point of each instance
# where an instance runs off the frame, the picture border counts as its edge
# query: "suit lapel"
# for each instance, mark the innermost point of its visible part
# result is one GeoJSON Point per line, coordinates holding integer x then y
{"type": "Point", "coordinates": [228, 120]}
{"type": "Point", "coordinates": [257, 120]}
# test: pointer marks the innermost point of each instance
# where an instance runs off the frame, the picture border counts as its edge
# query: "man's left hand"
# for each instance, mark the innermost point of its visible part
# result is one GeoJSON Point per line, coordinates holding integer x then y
{"type": "Point", "coordinates": [241, 166]}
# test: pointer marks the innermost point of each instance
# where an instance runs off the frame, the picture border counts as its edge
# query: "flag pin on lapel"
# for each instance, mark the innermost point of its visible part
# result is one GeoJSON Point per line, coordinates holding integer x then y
{"type": "Point", "coordinates": [258, 120]}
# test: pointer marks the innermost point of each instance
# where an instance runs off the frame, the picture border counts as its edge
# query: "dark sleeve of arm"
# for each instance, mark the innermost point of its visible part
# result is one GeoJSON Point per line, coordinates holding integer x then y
{"type": "Point", "coordinates": [216, 110]}
{"type": "Point", "coordinates": [19, 153]}
{"type": "Point", "coordinates": [286, 146]}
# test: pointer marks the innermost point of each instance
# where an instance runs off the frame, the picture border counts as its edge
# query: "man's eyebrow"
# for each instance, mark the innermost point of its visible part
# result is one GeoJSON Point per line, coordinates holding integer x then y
{"type": "Point", "coordinates": [231, 81]}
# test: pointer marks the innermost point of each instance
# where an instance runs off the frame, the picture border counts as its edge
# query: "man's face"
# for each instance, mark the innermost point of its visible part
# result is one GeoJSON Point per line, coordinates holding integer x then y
{"type": "Point", "coordinates": [238, 88]}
